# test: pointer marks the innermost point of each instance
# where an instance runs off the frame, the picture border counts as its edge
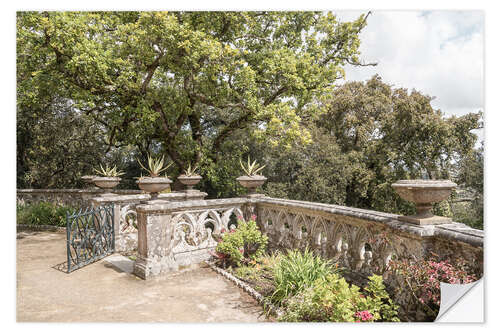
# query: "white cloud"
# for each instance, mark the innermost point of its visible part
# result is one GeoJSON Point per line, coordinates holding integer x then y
{"type": "Point", "coordinates": [439, 53]}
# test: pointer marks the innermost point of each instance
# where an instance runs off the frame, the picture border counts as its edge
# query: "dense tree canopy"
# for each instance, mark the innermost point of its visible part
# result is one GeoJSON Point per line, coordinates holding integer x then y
{"type": "Point", "coordinates": [186, 79]}
{"type": "Point", "coordinates": [368, 136]}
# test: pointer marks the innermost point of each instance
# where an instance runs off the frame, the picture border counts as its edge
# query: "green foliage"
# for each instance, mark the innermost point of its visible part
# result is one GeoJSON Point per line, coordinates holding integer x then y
{"type": "Point", "coordinates": [244, 244]}
{"type": "Point", "coordinates": [186, 80]}
{"type": "Point", "coordinates": [367, 136]}
{"type": "Point", "coordinates": [108, 171]}
{"type": "Point", "coordinates": [297, 271]}
{"type": "Point", "coordinates": [252, 168]}
{"type": "Point", "coordinates": [155, 166]}
{"type": "Point", "coordinates": [471, 176]}
{"type": "Point", "coordinates": [42, 213]}
{"type": "Point", "coordinates": [332, 299]}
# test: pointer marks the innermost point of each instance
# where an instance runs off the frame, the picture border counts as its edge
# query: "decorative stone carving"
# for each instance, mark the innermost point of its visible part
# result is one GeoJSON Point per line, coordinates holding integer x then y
{"type": "Point", "coordinates": [193, 224]}
{"type": "Point", "coordinates": [360, 240]}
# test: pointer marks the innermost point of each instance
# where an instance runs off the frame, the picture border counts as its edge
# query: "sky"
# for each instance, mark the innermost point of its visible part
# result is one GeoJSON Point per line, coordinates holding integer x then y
{"type": "Point", "coordinates": [439, 53]}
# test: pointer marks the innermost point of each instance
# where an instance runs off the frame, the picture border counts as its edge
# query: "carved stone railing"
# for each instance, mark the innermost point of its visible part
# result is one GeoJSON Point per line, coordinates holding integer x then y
{"type": "Point", "coordinates": [361, 240]}
{"type": "Point", "coordinates": [126, 215]}
{"type": "Point", "coordinates": [68, 197]}
{"type": "Point", "coordinates": [178, 234]}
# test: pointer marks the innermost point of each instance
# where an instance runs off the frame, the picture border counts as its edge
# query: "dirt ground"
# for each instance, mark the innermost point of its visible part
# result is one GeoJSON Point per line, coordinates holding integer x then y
{"type": "Point", "coordinates": [101, 292]}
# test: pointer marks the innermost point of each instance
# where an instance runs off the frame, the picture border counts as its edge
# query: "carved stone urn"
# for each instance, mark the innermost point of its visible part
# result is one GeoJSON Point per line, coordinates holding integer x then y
{"type": "Point", "coordinates": [189, 181]}
{"type": "Point", "coordinates": [424, 193]}
{"type": "Point", "coordinates": [154, 185]}
{"type": "Point", "coordinates": [106, 183]}
{"type": "Point", "coordinates": [251, 182]}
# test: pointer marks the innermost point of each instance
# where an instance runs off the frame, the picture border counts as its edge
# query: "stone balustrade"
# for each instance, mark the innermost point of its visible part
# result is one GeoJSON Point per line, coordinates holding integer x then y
{"type": "Point", "coordinates": [177, 234]}
{"type": "Point", "coordinates": [125, 213]}
{"type": "Point", "coordinates": [173, 235]}
{"type": "Point", "coordinates": [362, 240]}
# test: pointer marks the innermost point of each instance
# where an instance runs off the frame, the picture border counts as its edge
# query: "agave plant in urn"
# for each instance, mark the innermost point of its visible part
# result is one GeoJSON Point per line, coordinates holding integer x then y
{"type": "Point", "coordinates": [108, 179]}
{"type": "Point", "coordinates": [424, 193]}
{"type": "Point", "coordinates": [154, 183]}
{"type": "Point", "coordinates": [190, 178]}
{"type": "Point", "coordinates": [252, 179]}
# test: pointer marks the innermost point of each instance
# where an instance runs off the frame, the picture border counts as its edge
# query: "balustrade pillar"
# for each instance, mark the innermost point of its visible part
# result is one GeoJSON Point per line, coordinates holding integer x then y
{"type": "Point", "coordinates": [155, 241]}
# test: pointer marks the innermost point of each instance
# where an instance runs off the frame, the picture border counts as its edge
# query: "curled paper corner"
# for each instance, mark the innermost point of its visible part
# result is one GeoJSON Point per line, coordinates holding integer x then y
{"type": "Point", "coordinates": [461, 302]}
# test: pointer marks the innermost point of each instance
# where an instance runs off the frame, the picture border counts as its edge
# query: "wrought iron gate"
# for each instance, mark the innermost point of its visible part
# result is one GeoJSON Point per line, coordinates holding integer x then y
{"type": "Point", "coordinates": [90, 236]}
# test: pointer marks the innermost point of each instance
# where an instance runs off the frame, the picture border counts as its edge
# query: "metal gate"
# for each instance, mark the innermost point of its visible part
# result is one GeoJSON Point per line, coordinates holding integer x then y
{"type": "Point", "coordinates": [90, 236]}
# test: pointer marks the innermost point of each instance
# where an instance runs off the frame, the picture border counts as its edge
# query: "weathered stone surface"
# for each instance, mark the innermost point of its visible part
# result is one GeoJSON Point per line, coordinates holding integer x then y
{"type": "Point", "coordinates": [193, 224]}
{"type": "Point", "coordinates": [68, 197]}
{"type": "Point", "coordinates": [154, 245]}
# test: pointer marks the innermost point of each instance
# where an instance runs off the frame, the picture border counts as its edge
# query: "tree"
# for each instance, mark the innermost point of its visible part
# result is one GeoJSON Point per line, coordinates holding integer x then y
{"type": "Point", "coordinates": [187, 80]}
{"type": "Point", "coordinates": [368, 136]}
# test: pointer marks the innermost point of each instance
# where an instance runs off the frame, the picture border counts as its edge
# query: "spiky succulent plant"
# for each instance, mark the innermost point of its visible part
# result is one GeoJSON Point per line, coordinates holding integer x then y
{"type": "Point", "coordinates": [155, 166]}
{"type": "Point", "coordinates": [108, 171]}
{"type": "Point", "coordinates": [190, 172]}
{"type": "Point", "coordinates": [251, 168]}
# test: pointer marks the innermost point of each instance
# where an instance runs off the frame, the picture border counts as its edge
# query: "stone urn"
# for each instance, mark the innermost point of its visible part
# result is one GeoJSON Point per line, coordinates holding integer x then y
{"type": "Point", "coordinates": [106, 183]}
{"type": "Point", "coordinates": [251, 182]}
{"type": "Point", "coordinates": [189, 181]}
{"type": "Point", "coordinates": [154, 185]}
{"type": "Point", "coordinates": [424, 193]}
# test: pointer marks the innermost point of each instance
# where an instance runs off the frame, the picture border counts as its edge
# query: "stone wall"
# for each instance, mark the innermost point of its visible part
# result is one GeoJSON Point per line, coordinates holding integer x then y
{"type": "Point", "coordinates": [69, 197]}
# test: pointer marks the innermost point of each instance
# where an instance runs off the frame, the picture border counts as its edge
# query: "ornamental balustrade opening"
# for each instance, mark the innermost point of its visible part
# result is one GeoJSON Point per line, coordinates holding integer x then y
{"type": "Point", "coordinates": [90, 236]}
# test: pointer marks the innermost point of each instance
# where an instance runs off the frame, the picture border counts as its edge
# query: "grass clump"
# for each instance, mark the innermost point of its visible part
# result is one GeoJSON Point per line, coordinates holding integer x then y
{"type": "Point", "coordinates": [296, 271]}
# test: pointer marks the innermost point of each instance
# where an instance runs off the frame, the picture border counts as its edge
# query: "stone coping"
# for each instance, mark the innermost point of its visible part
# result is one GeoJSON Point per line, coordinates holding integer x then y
{"type": "Point", "coordinates": [453, 231]}
{"type": "Point", "coordinates": [144, 197]}
{"type": "Point", "coordinates": [72, 190]}
{"type": "Point", "coordinates": [192, 204]}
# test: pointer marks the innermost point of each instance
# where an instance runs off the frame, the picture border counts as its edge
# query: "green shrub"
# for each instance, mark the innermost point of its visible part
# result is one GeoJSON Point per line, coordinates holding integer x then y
{"type": "Point", "coordinates": [332, 299]}
{"type": "Point", "coordinates": [242, 245]}
{"type": "Point", "coordinates": [297, 271]}
{"type": "Point", "coordinates": [42, 213]}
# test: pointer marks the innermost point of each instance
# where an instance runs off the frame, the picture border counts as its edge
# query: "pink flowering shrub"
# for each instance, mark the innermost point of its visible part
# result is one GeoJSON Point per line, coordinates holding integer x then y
{"type": "Point", "coordinates": [241, 245]}
{"type": "Point", "coordinates": [421, 278]}
{"type": "Point", "coordinates": [363, 315]}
